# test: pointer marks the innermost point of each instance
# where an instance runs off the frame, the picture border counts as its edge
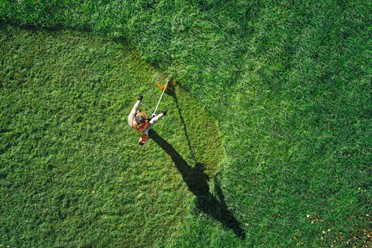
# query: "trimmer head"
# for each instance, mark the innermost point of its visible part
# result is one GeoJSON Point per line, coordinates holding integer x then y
{"type": "Point", "coordinates": [169, 83]}
{"type": "Point", "coordinates": [162, 87]}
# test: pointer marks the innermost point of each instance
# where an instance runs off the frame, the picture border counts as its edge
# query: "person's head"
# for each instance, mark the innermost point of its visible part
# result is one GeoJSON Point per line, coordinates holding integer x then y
{"type": "Point", "coordinates": [140, 118]}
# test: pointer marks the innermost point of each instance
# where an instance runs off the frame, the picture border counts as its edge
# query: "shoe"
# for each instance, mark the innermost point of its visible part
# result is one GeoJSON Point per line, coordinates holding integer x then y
{"type": "Point", "coordinates": [165, 111]}
{"type": "Point", "coordinates": [143, 139]}
{"type": "Point", "coordinates": [140, 97]}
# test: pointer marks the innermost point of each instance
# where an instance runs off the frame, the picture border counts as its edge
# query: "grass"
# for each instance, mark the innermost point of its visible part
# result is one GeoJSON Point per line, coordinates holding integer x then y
{"type": "Point", "coordinates": [288, 84]}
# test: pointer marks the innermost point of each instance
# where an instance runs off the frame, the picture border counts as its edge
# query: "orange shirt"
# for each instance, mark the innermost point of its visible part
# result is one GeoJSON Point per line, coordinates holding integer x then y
{"type": "Point", "coordinates": [140, 126]}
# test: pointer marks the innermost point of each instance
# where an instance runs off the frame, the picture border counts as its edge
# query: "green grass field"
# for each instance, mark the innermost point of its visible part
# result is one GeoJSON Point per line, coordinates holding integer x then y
{"type": "Point", "coordinates": [267, 142]}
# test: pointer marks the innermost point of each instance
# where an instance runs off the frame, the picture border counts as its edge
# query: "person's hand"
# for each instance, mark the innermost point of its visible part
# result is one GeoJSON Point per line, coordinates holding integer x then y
{"type": "Point", "coordinates": [140, 97]}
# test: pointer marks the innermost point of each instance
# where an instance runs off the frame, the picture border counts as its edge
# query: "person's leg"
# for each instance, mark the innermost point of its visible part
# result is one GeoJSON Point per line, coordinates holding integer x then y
{"type": "Point", "coordinates": [156, 118]}
{"type": "Point", "coordinates": [152, 122]}
{"type": "Point", "coordinates": [145, 133]}
{"type": "Point", "coordinates": [133, 112]}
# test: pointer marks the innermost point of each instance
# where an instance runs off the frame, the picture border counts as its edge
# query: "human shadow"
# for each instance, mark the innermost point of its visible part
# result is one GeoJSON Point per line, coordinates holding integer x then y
{"type": "Point", "coordinates": [197, 182]}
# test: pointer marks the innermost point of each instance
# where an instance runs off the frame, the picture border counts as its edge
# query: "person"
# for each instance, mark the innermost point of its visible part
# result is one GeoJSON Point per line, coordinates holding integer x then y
{"type": "Point", "coordinates": [140, 122]}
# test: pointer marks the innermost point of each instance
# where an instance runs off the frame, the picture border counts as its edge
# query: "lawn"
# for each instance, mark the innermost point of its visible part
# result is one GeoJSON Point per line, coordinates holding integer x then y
{"type": "Point", "coordinates": [266, 143]}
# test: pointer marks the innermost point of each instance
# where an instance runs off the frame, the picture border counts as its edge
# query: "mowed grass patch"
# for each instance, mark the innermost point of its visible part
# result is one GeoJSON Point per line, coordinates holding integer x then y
{"type": "Point", "coordinates": [71, 171]}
